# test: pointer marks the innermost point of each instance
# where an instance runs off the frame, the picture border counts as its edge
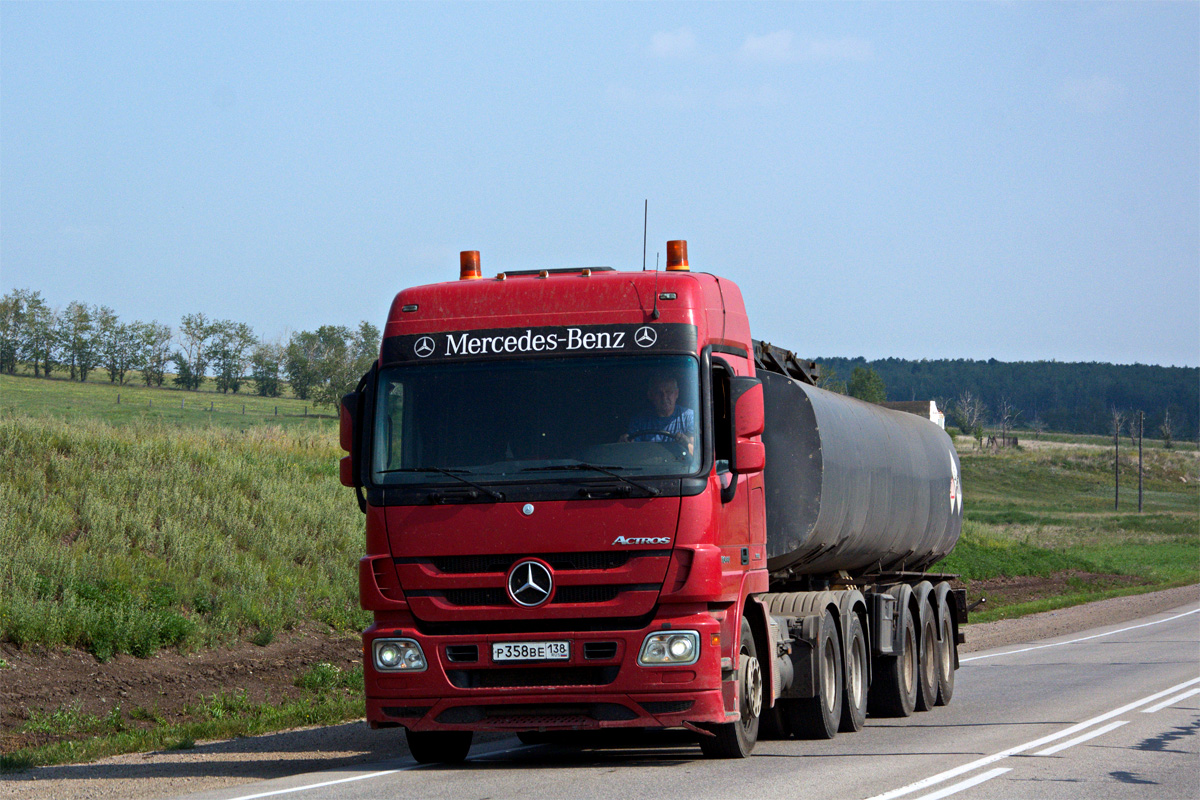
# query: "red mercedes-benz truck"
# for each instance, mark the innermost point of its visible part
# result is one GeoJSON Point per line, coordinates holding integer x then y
{"type": "Point", "coordinates": [593, 501]}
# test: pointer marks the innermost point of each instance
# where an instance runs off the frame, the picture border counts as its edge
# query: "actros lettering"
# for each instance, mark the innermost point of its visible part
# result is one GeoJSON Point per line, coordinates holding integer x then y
{"type": "Point", "coordinates": [643, 540]}
{"type": "Point", "coordinates": [468, 344]}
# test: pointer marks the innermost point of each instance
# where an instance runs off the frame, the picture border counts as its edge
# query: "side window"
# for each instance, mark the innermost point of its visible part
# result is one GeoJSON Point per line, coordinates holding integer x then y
{"type": "Point", "coordinates": [722, 417]}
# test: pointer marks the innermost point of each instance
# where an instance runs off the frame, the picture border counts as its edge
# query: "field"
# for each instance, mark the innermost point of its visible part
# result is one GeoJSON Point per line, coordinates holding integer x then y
{"type": "Point", "coordinates": [155, 539]}
{"type": "Point", "coordinates": [1041, 532]}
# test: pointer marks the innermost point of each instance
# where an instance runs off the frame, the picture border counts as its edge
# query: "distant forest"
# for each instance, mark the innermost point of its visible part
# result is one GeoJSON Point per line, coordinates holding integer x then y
{"type": "Point", "coordinates": [1069, 397]}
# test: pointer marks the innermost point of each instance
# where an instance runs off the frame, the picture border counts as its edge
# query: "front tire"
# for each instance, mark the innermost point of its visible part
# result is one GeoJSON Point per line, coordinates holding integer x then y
{"type": "Point", "coordinates": [737, 739]}
{"type": "Point", "coordinates": [439, 747]}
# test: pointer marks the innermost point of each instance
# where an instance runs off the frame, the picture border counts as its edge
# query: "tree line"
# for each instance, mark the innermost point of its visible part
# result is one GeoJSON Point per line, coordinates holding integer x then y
{"type": "Point", "coordinates": [319, 365]}
{"type": "Point", "coordinates": [1067, 397]}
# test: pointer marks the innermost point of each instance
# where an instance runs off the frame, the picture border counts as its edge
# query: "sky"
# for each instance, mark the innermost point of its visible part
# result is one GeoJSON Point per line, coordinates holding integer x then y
{"type": "Point", "coordinates": [1018, 181]}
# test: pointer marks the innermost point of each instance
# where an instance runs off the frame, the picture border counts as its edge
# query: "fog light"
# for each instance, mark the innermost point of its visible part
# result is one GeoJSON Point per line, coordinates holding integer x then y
{"type": "Point", "coordinates": [399, 655]}
{"type": "Point", "coordinates": [670, 648]}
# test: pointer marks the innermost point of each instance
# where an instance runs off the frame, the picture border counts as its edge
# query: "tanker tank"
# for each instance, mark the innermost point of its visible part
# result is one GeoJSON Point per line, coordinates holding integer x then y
{"type": "Point", "coordinates": [853, 486]}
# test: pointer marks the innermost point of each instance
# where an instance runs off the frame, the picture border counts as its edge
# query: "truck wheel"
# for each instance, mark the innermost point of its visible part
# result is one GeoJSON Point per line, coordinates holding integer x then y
{"type": "Point", "coordinates": [854, 696]}
{"type": "Point", "coordinates": [927, 664]}
{"type": "Point", "coordinates": [736, 739]}
{"type": "Point", "coordinates": [946, 647]}
{"type": "Point", "coordinates": [818, 717]}
{"type": "Point", "coordinates": [434, 747]}
{"type": "Point", "coordinates": [894, 689]}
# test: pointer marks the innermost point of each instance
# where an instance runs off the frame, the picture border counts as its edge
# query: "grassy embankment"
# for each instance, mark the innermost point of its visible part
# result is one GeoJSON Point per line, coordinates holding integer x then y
{"type": "Point", "coordinates": [127, 529]}
{"type": "Point", "coordinates": [330, 696]}
{"type": "Point", "coordinates": [142, 526]}
{"type": "Point", "coordinates": [1046, 510]}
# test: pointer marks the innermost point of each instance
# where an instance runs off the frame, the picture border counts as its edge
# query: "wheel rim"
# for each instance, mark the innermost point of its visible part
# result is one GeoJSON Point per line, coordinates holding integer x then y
{"type": "Point", "coordinates": [854, 681]}
{"type": "Point", "coordinates": [910, 660]}
{"type": "Point", "coordinates": [947, 667]}
{"type": "Point", "coordinates": [928, 656]}
{"type": "Point", "coordinates": [751, 689]}
{"type": "Point", "coordinates": [829, 674]}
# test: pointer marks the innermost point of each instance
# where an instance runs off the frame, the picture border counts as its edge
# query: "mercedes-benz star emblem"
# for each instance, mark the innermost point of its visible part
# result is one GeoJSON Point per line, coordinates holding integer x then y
{"type": "Point", "coordinates": [424, 346]}
{"type": "Point", "coordinates": [645, 336]}
{"type": "Point", "coordinates": [530, 584]}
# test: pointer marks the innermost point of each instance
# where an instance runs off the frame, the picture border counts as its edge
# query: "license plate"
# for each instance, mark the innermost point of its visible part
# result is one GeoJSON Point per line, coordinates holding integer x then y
{"type": "Point", "coordinates": [531, 651]}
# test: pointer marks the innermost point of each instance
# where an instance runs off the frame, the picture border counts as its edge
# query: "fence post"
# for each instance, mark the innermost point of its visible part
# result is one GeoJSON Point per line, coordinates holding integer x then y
{"type": "Point", "coordinates": [243, 409]}
{"type": "Point", "coordinates": [118, 398]}
{"type": "Point", "coordinates": [306, 411]}
{"type": "Point", "coordinates": [210, 405]}
{"type": "Point", "coordinates": [277, 411]}
{"type": "Point", "coordinates": [181, 404]}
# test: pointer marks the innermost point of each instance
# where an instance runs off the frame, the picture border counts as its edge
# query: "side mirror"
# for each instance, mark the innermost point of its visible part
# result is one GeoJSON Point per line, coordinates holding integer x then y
{"type": "Point", "coordinates": [349, 470]}
{"type": "Point", "coordinates": [749, 417]}
{"type": "Point", "coordinates": [751, 457]}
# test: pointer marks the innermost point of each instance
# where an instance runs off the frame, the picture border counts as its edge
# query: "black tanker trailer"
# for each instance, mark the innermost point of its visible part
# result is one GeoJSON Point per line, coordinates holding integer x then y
{"type": "Point", "coordinates": [861, 501]}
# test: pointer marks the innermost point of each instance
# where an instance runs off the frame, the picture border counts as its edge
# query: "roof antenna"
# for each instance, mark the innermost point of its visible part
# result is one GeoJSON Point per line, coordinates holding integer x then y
{"type": "Point", "coordinates": [654, 314]}
{"type": "Point", "coordinates": [645, 220]}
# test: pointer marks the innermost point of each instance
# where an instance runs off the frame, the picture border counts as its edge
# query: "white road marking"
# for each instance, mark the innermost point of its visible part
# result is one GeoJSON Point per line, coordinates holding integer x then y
{"type": "Point", "coordinates": [380, 774]}
{"type": "Point", "coordinates": [1084, 639]}
{"type": "Point", "coordinates": [308, 786]}
{"type": "Point", "coordinates": [967, 784]}
{"type": "Point", "coordinates": [1049, 751]}
{"type": "Point", "coordinates": [1170, 702]}
{"type": "Point", "coordinates": [933, 780]}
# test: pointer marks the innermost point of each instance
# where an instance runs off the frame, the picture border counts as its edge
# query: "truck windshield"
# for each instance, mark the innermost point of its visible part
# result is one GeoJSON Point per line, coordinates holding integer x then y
{"type": "Point", "coordinates": [529, 420]}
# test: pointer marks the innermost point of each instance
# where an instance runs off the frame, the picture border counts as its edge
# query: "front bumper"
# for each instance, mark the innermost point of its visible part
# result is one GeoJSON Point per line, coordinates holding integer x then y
{"type": "Point", "coordinates": [600, 686]}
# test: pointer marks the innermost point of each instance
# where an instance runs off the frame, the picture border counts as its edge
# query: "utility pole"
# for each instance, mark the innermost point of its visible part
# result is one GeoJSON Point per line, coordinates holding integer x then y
{"type": "Point", "coordinates": [1116, 464]}
{"type": "Point", "coordinates": [1141, 418]}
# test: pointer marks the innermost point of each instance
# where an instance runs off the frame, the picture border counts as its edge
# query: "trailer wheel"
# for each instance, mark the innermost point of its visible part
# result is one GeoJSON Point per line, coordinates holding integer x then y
{"type": "Point", "coordinates": [927, 664]}
{"type": "Point", "coordinates": [894, 689]}
{"type": "Point", "coordinates": [818, 717]}
{"type": "Point", "coordinates": [854, 695]}
{"type": "Point", "coordinates": [946, 647]}
{"type": "Point", "coordinates": [439, 747]}
{"type": "Point", "coordinates": [736, 739]}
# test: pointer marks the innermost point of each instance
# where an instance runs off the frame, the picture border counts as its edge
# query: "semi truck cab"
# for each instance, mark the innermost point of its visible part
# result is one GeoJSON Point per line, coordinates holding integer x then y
{"type": "Point", "coordinates": [562, 473]}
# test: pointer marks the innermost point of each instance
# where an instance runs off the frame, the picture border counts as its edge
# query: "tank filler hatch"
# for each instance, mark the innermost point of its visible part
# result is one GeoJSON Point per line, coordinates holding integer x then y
{"type": "Point", "coordinates": [770, 358]}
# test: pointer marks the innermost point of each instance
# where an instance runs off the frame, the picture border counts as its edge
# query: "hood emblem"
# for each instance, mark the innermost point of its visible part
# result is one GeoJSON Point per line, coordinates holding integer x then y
{"type": "Point", "coordinates": [645, 336]}
{"type": "Point", "coordinates": [424, 347]}
{"type": "Point", "coordinates": [530, 584]}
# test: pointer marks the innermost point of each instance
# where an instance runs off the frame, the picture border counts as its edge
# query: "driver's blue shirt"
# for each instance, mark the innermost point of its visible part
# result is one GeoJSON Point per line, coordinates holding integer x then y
{"type": "Point", "coordinates": [682, 420]}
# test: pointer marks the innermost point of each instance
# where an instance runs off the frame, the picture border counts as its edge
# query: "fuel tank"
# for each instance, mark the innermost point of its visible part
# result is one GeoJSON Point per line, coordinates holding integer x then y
{"type": "Point", "coordinates": [853, 486]}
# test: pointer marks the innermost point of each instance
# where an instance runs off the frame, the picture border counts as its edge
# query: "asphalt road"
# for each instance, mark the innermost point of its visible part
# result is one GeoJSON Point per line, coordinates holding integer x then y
{"type": "Point", "coordinates": [1108, 713]}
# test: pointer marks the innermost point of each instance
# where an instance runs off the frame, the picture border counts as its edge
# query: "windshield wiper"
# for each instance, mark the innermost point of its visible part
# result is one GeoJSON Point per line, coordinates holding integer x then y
{"type": "Point", "coordinates": [453, 473]}
{"type": "Point", "coordinates": [607, 470]}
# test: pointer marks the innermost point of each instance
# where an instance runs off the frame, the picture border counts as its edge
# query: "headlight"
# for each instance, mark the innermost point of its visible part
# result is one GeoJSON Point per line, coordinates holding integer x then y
{"type": "Point", "coordinates": [670, 647]}
{"type": "Point", "coordinates": [399, 655]}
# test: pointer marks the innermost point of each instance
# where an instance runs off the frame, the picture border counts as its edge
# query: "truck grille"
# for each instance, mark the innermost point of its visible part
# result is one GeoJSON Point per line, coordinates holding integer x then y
{"type": "Point", "coordinates": [481, 564]}
{"type": "Point", "coordinates": [532, 677]}
{"type": "Point", "coordinates": [565, 595]}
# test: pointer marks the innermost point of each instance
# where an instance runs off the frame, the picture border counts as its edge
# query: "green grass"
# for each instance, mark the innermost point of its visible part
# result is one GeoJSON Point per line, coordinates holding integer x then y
{"type": "Point", "coordinates": [123, 537]}
{"type": "Point", "coordinates": [1048, 510]}
{"type": "Point", "coordinates": [139, 405]}
{"type": "Point", "coordinates": [81, 737]}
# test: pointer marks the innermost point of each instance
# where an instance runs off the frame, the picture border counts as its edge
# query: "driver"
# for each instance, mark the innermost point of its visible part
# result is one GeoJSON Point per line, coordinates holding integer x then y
{"type": "Point", "coordinates": [665, 421]}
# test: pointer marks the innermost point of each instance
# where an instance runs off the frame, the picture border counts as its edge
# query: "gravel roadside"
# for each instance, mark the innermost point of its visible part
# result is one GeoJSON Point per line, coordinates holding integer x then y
{"type": "Point", "coordinates": [214, 765]}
